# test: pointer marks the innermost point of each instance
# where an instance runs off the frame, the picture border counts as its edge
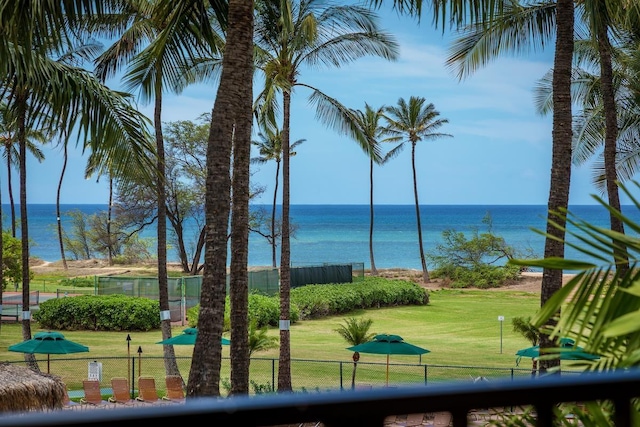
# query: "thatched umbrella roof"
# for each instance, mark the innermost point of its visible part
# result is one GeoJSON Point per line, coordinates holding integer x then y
{"type": "Point", "coordinates": [22, 389]}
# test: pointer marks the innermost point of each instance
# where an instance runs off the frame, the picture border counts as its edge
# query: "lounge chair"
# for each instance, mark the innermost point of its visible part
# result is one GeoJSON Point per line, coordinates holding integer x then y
{"type": "Point", "coordinates": [442, 419]}
{"type": "Point", "coordinates": [92, 393]}
{"type": "Point", "coordinates": [121, 391]}
{"type": "Point", "coordinates": [68, 403]}
{"type": "Point", "coordinates": [175, 393]}
{"type": "Point", "coordinates": [148, 393]}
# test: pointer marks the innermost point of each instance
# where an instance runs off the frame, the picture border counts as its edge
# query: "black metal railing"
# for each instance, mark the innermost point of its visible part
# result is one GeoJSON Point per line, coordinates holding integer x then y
{"type": "Point", "coordinates": [371, 407]}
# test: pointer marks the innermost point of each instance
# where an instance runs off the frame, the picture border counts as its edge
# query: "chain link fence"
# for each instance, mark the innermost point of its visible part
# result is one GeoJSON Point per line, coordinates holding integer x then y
{"type": "Point", "coordinates": [307, 375]}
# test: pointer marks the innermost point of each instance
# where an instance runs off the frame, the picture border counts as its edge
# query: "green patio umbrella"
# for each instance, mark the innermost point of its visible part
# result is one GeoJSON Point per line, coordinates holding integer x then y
{"type": "Point", "coordinates": [187, 337]}
{"type": "Point", "coordinates": [567, 349]}
{"type": "Point", "coordinates": [388, 344]}
{"type": "Point", "coordinates": [48, 343]}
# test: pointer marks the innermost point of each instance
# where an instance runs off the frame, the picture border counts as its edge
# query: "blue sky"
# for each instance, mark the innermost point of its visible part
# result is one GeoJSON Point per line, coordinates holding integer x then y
{"type": "Point", "coordinates": [500, 152]}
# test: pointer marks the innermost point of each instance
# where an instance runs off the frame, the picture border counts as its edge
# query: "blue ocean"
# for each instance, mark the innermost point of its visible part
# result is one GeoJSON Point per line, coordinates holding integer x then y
{"type": "Point", "coordinates": [340, 233]}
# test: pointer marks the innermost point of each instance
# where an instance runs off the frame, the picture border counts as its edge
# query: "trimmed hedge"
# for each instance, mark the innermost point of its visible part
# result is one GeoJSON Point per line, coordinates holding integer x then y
{"type": "Point", "coordinates": [99, 313]}
{"type": "Point", "coordinates": [265, 310]}
{"type": "Point", "coordinates": [315, 301]}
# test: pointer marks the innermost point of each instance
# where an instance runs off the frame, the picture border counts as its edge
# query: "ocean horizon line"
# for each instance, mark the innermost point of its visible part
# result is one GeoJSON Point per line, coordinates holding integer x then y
{"type": "Point", "coordinates": [348, 204]}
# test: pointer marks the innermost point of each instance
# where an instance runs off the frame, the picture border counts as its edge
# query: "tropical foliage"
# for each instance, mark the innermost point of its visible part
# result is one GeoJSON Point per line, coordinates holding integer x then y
{"type": "Point", "coordinates": [11, 260]}
{"type": "Point", "coordinates": [355, 331]}
{"type": "Point", "coordinates": [477, 261]}
{"type": "Point", "coordinates": [600, 306]}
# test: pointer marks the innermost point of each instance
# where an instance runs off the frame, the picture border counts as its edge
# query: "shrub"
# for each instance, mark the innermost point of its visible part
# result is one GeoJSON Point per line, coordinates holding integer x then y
{"type": "Point", "coordinates": [482, 277]}
{"type": "Point", "coordinates": [316, 301]}
{"type": "Point", "coordinates": [99, 313]}
{"type": "Point", "coordinates": [474, 262]}
{"type": "Point", "coordinates": [78, 282]}
{"type": "Point", "coordinates": [264, 310]}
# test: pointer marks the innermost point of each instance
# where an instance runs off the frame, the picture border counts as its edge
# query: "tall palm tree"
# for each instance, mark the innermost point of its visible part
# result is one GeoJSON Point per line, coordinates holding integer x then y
{"type": "Point", "coordinates": [496, 36]}
{"type": "Point", "coordinates": [10, 152]}
{"type": "Point", "coordinates": [292, 34]}
{"type": "Point", "coordinates": [589, 124]}
{"type": "Point", "coordinates": [414, 121]}
{"type": "Point", "coordinates": [79, 51]}
{"type": "Point", "coordinates": [65, 158]}
{"type": "Point", "coordinates": [149, 70]}
{"type": "Point", "coordinates": [355, 331]}
{"type": "Point", "coordinates": [41, 90]}
{"type": "Point", "coordinates": [270, 148]}
{"type": "Point", "coordinates": [364, 127]}
{"type": "Point", "coordinates": [602, 22]}
{"type": "Point", "coordinates": [230, 132]}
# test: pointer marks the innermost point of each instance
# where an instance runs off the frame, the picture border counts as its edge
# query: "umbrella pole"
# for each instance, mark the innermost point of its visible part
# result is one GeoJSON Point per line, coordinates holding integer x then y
{"type": "Point", "coordinates": [387, 370]}
{"type": "Point", "coordinates": [48, 359]}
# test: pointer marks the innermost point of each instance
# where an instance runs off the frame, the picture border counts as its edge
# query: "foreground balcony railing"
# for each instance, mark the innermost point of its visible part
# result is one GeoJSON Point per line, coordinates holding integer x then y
{"type": "Point", "coordinates": [370, 407]}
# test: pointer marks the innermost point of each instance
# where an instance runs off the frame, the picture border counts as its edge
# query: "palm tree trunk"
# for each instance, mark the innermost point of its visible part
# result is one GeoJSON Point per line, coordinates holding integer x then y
{"type": "Point", "coordinates": [239, 283]}
{"type": "Point", "coordinates": [560, 162]}
{"type": "Point", "coordinates": [610, 145]}
{"type": "Point", "coordinates": [353, 376]}
{"type": "Point", "coordinates": [12, 204]}
{"type": "Point", "coordinates": [58, 215]}
{"type": "Point", "coordinates": [425, 272]}
{"type": "Point", "coordinates": [30, 359]}
{"type": "Point", "coordinates": [273, 217]}
{"type": "Point", "coordinates": [374, 271]}
{"type": "Point", "coordinates": [284, 367]}
{"type": "Point", "coordinates": [170, 363]}
{"type": "Point", "coordinates": [109, 216]}
{"type": "Point", "coordinates": [204, 377]}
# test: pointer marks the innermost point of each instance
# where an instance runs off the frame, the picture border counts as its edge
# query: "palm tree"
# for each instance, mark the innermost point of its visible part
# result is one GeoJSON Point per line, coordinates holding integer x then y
{"type": "Point", "coordinates": [496, 36]}
{"type": "Point", "coordinates": [415, 121]}
{"type": "Point", "coordinates": [259, 340]}
{"type": "Point", "coordinates": [270, 148]}
{"type": "Point", "coordinates": [65, 158]}
{"type": "Point", "coordinates": [10, 152]}
{"type": "Point", "coordinates": [43, 91]}
{"type": "Point", "coordinates": [523, 326]}
{"type": "Point", "coordinates": [364, 127]}
{"type": "Point", "coordinates": [149, 71]}
{"type": "Point", "coordinates": [355, 331]}
{"type": "Point", "coordinates": [230, 132]}
{"type": "Point", "coordinates": [290, 35]}
{"type": "Point", "coordinates": [600, 92]}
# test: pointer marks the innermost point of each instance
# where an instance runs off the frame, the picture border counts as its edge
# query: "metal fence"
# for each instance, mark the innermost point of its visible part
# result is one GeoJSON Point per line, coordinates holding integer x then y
{"type": "Point", "coordinates": [307, 375]}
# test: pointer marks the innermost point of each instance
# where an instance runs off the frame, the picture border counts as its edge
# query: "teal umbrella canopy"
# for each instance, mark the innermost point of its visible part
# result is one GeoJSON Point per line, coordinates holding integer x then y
{"type": "Point", "coordinates": [187, 337]}
{"type": "Point", "coordinates": [388, 344]}
{"type": "Point", "coordinates": [567, 350]}
{"type": "Point", "coordinates": [48, 343]}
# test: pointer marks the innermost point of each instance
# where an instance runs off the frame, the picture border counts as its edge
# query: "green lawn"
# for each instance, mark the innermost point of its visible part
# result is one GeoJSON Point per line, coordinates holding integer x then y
{"type": "Point", "coordinates": [459, 327]}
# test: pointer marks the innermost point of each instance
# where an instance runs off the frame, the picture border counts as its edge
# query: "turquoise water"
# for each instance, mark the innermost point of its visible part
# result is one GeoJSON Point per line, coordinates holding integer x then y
{"type": "Point", "coordinates": [340, 233]}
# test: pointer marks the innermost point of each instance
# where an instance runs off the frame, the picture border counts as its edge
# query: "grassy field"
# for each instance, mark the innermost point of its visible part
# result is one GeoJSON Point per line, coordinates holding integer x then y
{"type": "Point", "coordinates": [459, 327]}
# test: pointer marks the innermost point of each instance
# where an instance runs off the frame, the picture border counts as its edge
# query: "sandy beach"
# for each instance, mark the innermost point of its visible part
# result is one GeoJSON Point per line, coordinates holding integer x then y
{"type": "Point", "coordinates": [528, 282]}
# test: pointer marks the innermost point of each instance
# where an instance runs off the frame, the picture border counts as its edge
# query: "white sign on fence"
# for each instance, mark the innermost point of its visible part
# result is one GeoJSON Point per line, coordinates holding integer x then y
{"type": "Point", "coordinates": [95, 371]}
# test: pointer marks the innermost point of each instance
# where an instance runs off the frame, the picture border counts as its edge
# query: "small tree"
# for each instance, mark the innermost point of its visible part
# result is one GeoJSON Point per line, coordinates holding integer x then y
{"type": "Point", "coordinates": [523, 326]}
{"type": "Point", "coordinates": [11, 260]}
{"type": "Point", "coordinates": [475, 261]}
{"type": "Point", "coordinates": [355, 331]}
{"type": "Point", "coordinates": [259, 340]}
